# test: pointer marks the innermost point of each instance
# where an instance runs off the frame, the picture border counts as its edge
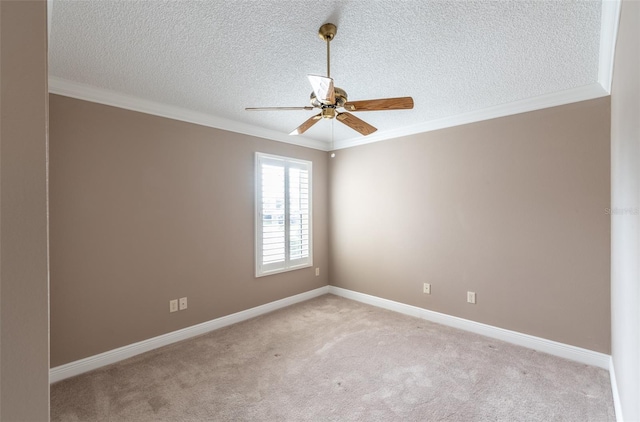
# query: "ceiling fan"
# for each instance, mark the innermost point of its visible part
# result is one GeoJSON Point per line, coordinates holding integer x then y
{"type": "Point", "coordinates": [328, 98]}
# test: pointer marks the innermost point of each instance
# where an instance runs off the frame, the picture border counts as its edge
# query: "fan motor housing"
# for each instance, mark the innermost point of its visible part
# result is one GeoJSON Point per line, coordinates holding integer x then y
{"type": "Point", "coordinates": [341, 98]}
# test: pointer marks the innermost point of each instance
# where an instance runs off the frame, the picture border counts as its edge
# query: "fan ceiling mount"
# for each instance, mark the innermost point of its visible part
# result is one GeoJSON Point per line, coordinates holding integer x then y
{"type": "Point", "coordinates": [327, 98]}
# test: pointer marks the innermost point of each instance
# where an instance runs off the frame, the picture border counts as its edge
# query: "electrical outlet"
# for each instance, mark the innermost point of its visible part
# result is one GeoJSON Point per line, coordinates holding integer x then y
{"type": "Point", "coordinates": [471, 297]}
{"type": "Point", "coordinates": [426, 288]}
{"type": "Point", "coordinates": [173, 305]}
{"type": "Point", "coordinates": [317, 272]}
{"type": "Point", "coordinates": [183, 303]}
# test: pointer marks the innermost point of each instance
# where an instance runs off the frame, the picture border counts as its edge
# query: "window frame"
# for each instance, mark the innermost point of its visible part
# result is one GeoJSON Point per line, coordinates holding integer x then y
{"type": "Point", "coordinates": [288, 264]}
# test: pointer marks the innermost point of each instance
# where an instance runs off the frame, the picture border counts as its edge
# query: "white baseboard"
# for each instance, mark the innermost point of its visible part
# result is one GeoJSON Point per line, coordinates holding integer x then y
{"type": "Point", "coordinates": [94, 362]}
{"type": "Point", "coordinates": [566, 351]}
{"type": "Point", "coordinates": [614, 391]}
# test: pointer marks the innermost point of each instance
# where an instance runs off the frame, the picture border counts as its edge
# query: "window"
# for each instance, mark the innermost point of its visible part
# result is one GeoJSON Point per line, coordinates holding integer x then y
{"type": "Point", "coordinates": [283, 214]}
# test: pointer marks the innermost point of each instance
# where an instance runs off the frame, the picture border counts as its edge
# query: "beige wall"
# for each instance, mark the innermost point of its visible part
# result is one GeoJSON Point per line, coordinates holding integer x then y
{"type": "Point", "coordinates": [24, 313]}
{"type": "Point", "coordinates": [511, 208]}
{"type": "Point", "coordinates": [146, 209]}
{"type": "Point", "coordinates": [625, 224]}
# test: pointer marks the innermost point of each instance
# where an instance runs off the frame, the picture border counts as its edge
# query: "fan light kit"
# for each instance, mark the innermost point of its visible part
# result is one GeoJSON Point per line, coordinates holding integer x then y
{"type": "Point", "coordinates": [328, 98]}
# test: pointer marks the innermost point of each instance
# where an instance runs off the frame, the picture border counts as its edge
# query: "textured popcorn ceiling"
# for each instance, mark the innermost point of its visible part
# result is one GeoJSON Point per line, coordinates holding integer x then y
{"type": "Point", "coordinates": [217, 57]}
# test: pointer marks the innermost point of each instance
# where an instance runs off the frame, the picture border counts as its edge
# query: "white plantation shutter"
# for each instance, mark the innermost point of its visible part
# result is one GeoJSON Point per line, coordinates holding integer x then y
{"type": "Point", "coordinates": [298, 213]}
{"type": "Point", "coordinates": [283, 214]}
{"type": "Point", "coordinates": [273, 214]}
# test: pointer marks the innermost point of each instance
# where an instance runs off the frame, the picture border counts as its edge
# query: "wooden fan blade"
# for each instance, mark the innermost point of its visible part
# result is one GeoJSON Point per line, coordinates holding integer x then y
{"type": "Point", "coordinates": [356, 124]}
{"type": "Point", "coordinates": [277, 108]}
{"type": "Point", "coordinates": [323, 88]}
{"type": "Point", "coordinates": [307, 124]}
{"type": "Point", "coordinates": [400, 103]}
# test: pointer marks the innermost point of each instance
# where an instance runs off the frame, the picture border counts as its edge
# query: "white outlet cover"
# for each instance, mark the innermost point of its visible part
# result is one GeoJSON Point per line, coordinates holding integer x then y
{"type": "Point", "coordinates": [183, 303]}
{"type": "Point", "coordinates": [471, 297]}
{"type": "Point", "coordinates": [173, 305]}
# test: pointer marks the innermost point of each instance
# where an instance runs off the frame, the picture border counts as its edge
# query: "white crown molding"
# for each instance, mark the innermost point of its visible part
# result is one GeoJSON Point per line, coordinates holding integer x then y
{"type": "Point", "coordinates": [98, 95]}
{"type": "Point", "coordinates": [582, 93]}
{"type": "Point", "coordinates": [555, 348]}
{"type": "Point", "coordinates": [609, 21]}
{"type": "Point", "coordinates": [81, 366]}
{"type": "Point", "coordinates": [85, 92]}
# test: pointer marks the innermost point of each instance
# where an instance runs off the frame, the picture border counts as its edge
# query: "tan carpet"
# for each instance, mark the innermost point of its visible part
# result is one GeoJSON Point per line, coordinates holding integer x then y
{"type": "Point", "coordinates": [332, 359]}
